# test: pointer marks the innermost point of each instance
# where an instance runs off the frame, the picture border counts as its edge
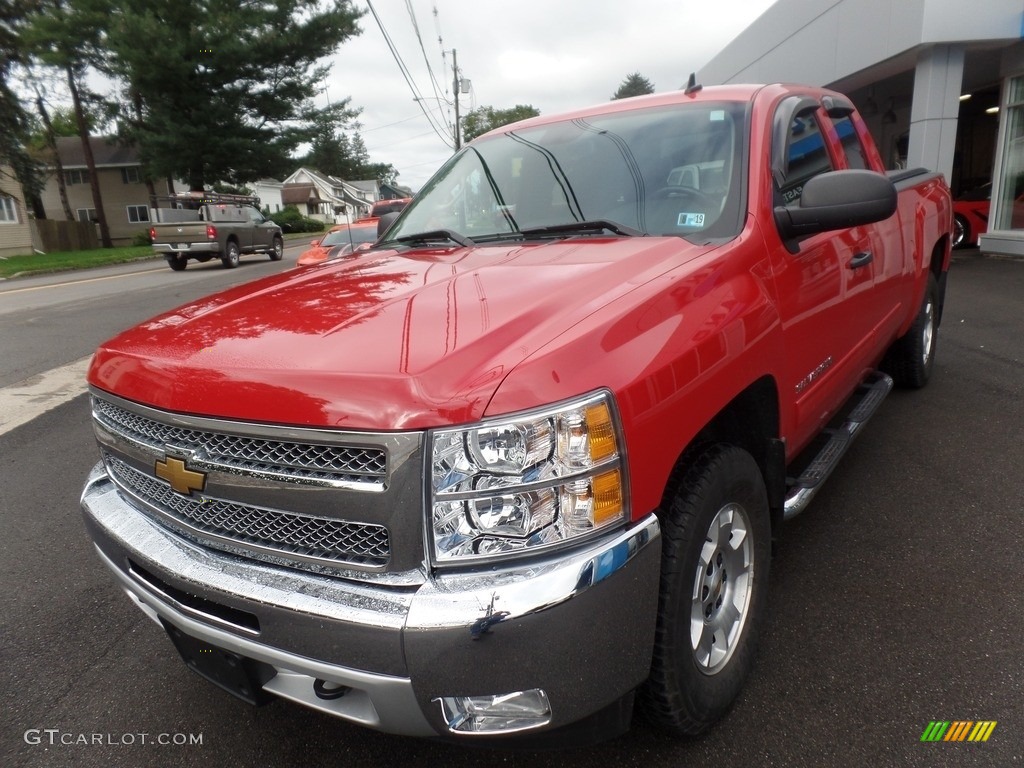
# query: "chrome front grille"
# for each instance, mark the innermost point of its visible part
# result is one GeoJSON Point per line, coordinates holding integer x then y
{"type": "Point", "coordinates": [259, 532]}
{"type": "Point", "coordinates": [347, 465]}
{"type": "Point", "coordinates": [339, 502]}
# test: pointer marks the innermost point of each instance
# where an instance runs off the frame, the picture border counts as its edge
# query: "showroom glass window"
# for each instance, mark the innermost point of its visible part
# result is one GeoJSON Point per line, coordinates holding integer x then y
{"type": "Point", "coordinates": [1010, 195]}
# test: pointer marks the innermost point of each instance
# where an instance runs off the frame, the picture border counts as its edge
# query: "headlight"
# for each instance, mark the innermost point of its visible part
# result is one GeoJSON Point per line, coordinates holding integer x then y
{"type": "Point", "coordinates": [526, 482]}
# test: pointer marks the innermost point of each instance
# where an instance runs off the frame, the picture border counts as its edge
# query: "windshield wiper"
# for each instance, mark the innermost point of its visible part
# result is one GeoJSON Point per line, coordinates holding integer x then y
{"type": "Point", "coordinates": [432, 235]}
{"type": "Point", "coordinates": [595, 226]}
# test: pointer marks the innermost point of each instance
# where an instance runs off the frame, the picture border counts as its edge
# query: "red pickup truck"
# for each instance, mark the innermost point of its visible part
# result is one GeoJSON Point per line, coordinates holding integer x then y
{"type": "Point", "coordinates": [520, 465]}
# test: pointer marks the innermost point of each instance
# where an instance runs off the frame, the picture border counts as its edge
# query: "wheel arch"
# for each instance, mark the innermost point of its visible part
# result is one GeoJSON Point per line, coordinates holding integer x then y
{"type": "Point", "coordinates": [751, 421]}
{"type": "Point", "coordinates": [939, 267]}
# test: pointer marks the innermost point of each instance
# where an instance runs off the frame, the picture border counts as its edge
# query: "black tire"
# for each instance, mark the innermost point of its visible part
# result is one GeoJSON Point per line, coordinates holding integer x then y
{"type": "Point", "coordinates": [910, 359]}
{"type": "Point", "coordinates": [176, 263]}
{"type": "Point", "coordinates": [961, 232]}
{"type": "Point", "coordinates": [277, 249]}
{"type": "Point", "coordinates": [231, 255]}
{"type": "Point", "coordinates": [694, 680]}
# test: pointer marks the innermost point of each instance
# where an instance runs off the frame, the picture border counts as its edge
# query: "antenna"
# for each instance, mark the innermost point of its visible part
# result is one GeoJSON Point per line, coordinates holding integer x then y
{"type": "Point", "coordinates": [692, 86]}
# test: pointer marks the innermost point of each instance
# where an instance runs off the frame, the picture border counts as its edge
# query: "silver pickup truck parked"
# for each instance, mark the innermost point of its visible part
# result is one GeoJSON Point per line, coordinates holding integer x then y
{"type": "Point", "coordinates": [212, 226]}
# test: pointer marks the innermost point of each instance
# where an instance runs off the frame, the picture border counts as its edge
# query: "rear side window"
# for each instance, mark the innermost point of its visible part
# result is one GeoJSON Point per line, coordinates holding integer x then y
{"type": "Point", "coordinates": [850, 141]}
{"type": "Point", "coordinates": [806, 157]}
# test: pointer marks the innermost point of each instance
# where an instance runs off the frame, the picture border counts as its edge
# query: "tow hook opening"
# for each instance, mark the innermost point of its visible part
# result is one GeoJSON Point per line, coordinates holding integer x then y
{"type": "Point", "coordinates": [328, 691]}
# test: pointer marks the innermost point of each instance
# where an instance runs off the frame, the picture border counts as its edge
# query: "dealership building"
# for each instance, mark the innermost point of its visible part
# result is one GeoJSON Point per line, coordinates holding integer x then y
{"type": "Point", "coordinates": [939, 82]}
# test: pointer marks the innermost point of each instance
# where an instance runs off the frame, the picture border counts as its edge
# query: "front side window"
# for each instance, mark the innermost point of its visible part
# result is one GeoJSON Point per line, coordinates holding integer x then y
{"type": "Point", "coordinates": [8, 210]}
{"type": "Point", "coordinates": [138, 213]}
{"type": "Point", "coordinates": [806, 157]}
{"type": "Point", "coordinates": [664, 171]}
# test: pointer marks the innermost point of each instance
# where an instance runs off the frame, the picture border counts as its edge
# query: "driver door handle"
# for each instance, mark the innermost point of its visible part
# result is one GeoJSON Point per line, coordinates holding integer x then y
{"type": "Point", "coordinates": [861, 259]}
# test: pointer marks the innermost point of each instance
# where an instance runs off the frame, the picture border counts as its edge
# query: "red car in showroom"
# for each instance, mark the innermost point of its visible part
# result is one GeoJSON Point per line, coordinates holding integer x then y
{"type": "Point", "coordinates": [341, 240]}
{"type": "Point", "coordinates": [970, 215]}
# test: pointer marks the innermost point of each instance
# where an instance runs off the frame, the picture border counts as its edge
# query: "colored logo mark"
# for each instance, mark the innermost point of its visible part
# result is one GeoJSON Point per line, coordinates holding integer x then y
{"type": "Point", "coordinates": [958, 730]}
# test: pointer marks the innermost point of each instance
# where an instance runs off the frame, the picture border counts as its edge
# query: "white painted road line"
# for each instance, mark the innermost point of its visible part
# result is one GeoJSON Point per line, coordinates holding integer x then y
{"type": "Point", "coordinates": [81, 281]}
{"type": "Point", "coordinates": [24, 401]}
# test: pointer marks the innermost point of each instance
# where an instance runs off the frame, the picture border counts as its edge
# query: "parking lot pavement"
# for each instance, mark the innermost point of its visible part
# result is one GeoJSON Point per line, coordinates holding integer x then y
{"type": "Point", "coordinates": [895, 601]}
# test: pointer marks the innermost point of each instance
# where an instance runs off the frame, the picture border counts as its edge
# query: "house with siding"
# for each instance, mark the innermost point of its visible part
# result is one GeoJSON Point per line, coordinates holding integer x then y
{"type": "Point", "coordinates": [325, 198]}
{"type": "Point", "coordinates": [382, 190]}
{"type": "Point", "coordinates": [124, 193]}
{"type": "Point", "coordinates": [15, 230]}
{"type": "Point", "coordinates": [393, 191]}
{"type": "Point", "coordinates": [270, 193]}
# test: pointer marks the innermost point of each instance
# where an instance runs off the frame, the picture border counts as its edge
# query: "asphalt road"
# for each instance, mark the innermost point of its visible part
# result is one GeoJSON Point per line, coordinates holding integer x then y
{"type": "Point", "coordinates": [896, 599]}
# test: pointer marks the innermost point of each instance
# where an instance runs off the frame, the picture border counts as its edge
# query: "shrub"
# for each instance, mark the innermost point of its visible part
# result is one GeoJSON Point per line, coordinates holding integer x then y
{"type": "Point", "coordinates": [290, 220]}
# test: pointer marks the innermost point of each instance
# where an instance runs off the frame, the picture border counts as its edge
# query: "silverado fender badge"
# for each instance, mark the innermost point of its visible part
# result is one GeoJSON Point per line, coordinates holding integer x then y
{"type": "Point", "coordinates": [814, 375]}
{"type": "Point", "coordinates": [181, 479]}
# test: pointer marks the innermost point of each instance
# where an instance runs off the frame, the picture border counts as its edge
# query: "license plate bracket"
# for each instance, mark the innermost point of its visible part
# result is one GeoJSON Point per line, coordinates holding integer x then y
{"type": "Point", "coordinates": [238, 675]}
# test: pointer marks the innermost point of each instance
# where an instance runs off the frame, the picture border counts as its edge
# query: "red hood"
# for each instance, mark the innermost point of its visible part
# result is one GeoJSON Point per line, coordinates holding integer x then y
{"type": "Point", "coordinates": [387, 341]}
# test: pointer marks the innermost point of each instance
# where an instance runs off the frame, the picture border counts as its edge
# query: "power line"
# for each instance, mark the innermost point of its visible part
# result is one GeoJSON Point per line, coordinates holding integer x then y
{"type": "Point", "coordinates": [407, 75]}
{"type": "Point", "coordinates": [440, 42]}
{"type": "Point", "coordinates": [388, 125]}
{"type": "Point", "coordinates": [419, 39]}
{"type": "Point", "coordinates": [400, 141]}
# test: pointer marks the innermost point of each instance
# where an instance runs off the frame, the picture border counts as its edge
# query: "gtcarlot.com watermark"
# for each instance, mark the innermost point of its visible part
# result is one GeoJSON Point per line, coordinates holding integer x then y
{"type": "Point", "coordinates": [53, 737]}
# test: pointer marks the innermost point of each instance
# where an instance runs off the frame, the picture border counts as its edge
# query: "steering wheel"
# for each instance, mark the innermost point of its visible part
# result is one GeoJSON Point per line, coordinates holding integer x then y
{"type": "Point", "coordinates": [705, 201]}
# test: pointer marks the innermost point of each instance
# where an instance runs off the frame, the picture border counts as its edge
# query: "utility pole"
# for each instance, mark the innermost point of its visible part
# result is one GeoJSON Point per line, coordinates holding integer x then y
{"type": "Point", "coordinates": [455, 75]}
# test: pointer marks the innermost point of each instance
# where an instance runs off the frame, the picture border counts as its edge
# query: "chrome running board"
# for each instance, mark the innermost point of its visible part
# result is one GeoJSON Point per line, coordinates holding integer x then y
{"type": "Point", "coordinates": [801, 490]}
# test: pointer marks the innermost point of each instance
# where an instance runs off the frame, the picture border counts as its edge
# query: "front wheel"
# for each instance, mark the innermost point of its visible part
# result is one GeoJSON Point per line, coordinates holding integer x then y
{"type": "Point", "coordinates": [231, 254]}
{"type": "Point", "coordinates": [277, 249]}
{"type": "Point", "coordinates": [716, 545]}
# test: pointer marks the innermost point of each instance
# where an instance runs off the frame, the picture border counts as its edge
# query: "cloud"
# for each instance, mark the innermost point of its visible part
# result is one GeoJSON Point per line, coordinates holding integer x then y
{"type": "Point", "coordinates": [552, 55]}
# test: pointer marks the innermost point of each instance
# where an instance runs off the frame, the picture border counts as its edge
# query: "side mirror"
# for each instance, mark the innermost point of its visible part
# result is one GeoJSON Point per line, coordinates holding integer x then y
{"type": "Point", "coordinates": [837, 200]}
{"type": "Point", "coordinates": [314, 242]}
{"type": "Point", "coordinates": [384, 223]}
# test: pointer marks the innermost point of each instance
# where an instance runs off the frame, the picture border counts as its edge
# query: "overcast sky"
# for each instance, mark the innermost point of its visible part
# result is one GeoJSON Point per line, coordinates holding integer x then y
{"type": "Point", "coordinates": [552, 54]}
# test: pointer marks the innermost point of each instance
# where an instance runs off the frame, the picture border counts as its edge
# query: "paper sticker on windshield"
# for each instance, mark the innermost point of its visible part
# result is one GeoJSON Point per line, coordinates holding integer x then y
{"type": "Point", "coordinates": [690, 220]}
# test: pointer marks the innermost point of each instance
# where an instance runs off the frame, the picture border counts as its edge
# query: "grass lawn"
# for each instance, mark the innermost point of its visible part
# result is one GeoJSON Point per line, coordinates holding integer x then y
{"type": "Point", "coordinates": [42, 263]}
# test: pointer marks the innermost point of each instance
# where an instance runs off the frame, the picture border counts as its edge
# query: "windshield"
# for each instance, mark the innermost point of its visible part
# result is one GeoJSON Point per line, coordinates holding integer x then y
{"type": "Point", "coordinates": [662, 171]}
{"type": "Point", "coordinates": [357, 235]}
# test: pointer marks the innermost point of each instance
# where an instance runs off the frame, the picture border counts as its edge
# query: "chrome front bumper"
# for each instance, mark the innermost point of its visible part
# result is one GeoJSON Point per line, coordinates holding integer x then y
{"type": "Point", "coordinates": [579, 626]}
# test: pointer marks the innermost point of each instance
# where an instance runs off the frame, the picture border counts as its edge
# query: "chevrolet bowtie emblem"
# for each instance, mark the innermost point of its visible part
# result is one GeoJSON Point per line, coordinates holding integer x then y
{"type": "Point", "coordinates": [182, 480]}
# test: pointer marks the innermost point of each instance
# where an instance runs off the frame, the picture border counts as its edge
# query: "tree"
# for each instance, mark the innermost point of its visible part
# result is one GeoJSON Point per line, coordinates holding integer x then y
{"type": "Point", "coordinates": [331, 149]}
{"type": "Point", "coordinates": [634, 85]}
{"type": "Point", "coordinates": [64, 35]}
{"type": "Point", "coordinates": [230, 95]}
{"type": "Point", "coordinates": [334, 152]}
{"type": "Point", "coordinates": [63, 123]}
{"type": "Point", "coordinates": [15, 122]}
{"type": "Point", "coordinates": [484, 119]}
